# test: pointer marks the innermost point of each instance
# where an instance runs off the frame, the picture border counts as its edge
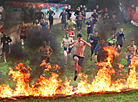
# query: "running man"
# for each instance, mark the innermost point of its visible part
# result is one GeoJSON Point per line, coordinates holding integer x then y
{"type": "Point", "coordinates": [113, 22]}
{"type": "Point", "coordinates": [89, 25]}
{"type": "Point", "coordinates": [67, 49]}
{"type": "Point", "coordinates": [71, 23]}
{"type": "Point", "coordinates": [46, 53]}
{"type": "Point", "coordinates": [94, 15]}
{"type": "Point", "coordinates": [100, 54]}
{"type": "Point", "coordinates": [119, 36]}
{"type": "Point", "coordinates": [63, 19]}
{"type": "Point", "coordinates": [94, 41]}
{"type": "Point", "coordinates": [71, 33]}
{"type": "Point", "coordinates": [5, 40]}
{"type": "Point", "coordinates": [79, 20]}
{"type": "Point", "coordinates": [51, 14]}
{"type": "Point", "coordinates": [132, 49]}
{"type": "Point", "coordinates": [44, 24]}
{"type": "Point", "coordinates": [111, 41]}
{"type": "Point", "coordinates": [78, 54]}
{"type": "Point", "coordinates": [23, 27]}
{"type": "Point", "coordinates": [69, 11]}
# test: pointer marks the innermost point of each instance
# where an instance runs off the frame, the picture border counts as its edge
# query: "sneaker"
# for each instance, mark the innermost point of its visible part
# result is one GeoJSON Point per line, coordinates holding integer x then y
{"type": "Point", "coordinates": [43, 75]}
{"type": "Point", "coordinates": [91, 59]}
{"type": "Point", "coordinates": [75, 77]}
{"type": "Point", "coordinates": [5, 62]}
{"type": "Point", "coordinates": [22, 46]}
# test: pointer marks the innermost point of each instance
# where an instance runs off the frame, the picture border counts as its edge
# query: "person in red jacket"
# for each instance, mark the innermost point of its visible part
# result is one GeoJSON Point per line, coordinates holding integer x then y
{"type": "Point", "coordinates": [70, 32]}
{"type": "Point", "coordinates": [1, 27]}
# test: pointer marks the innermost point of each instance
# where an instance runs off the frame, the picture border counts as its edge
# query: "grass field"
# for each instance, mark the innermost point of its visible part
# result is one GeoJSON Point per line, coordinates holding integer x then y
{"type": "Point", "coordinates": [67, 71]}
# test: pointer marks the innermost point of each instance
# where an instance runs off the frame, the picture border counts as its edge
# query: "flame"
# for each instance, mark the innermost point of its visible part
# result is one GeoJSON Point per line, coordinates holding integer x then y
{"type": "Point", "coordinates": [55, 87]}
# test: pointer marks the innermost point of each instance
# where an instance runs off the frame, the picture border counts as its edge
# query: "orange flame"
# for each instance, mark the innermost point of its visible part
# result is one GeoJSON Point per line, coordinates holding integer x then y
{"type": "Point", "coordinates": [52, 86]}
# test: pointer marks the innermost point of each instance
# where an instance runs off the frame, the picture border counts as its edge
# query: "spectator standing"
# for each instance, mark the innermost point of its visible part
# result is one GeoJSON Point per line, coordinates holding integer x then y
{"type": "Point", "coordinates": [2, 27]}
{"type": "Point", "coordinates": [1, 11]}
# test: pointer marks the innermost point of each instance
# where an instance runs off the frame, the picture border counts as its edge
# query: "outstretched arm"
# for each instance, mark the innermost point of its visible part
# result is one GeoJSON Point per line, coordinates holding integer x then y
{"type": "Point", "coordinates": [85, 43]}
{"type": "Point", "coordinates": [72, 43]}
{"type": "Point", "coordinates": [126, 53]}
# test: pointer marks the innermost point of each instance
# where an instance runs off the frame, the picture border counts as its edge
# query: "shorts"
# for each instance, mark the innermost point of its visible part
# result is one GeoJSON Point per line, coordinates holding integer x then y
{"type": "Point", "coordinates": [44, 58]}
{"type": "Point", "coordinates": [22, 37]}
{"type": "Point", "coordinates": [92, 48]}
{"type": "Point", "coordinates": [65, 49]}
{"type": "Point", "coordinates": [121, 45]}
{"type": "Point", "coordinates": [128, 60]}
{"type": "Point", "coordinates": [5, 48]}
{"type": "Point", "coordinates": [89, 32]}
{"type": "Point", "coordinates": [79, 26]}
{"type": "Point", "coordinates": [80, 59]}
{"type": "Point", "coordinates": [114, 28]}
{"type": "Point", "coordinates": [63, 21]}
{"type": "Point", "coordinates": [94, 21]}
{"type": "Point", "coordinates": [100, 58]}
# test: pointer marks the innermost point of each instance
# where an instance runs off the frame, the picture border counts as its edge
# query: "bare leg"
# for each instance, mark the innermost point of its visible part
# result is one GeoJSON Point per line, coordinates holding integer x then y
{"type": "Point", "coordinates": [69, 55]}
{"type": "Point", "coordinates": [4, 56]}
{"type": "Point", "coordinates": [76, 67]}
{"type": "Point", "coordinates": [95, 58]}
{"type": "Point", "coordinates": [79, 69]}
{"type": "Point", "coordinates": [65, 57]}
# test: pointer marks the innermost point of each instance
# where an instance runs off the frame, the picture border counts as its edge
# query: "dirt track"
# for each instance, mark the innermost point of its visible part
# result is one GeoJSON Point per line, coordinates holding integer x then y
{"type": "Point", "coordinates": [14, 34]}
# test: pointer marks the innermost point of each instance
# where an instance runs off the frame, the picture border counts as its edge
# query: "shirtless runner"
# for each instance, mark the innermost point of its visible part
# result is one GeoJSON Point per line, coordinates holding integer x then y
{"type": "Point", "coordinates": [67, 49]}
{"type": "Point", "coordinates": [46, 53]}
{"type": "Point", "coordinates": [78, 53]}
{"type": "Point", "coordinates": [132, 49]}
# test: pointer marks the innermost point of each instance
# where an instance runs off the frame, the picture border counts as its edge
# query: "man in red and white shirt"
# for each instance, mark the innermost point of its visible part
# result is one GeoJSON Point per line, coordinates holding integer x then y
{"type": "Point", "coordinates": [70, 32]}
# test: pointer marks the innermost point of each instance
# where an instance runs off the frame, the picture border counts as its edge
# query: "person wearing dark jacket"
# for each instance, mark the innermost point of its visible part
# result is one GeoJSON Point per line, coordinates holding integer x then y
{"type": "Point", "coordinates": [5, 40]}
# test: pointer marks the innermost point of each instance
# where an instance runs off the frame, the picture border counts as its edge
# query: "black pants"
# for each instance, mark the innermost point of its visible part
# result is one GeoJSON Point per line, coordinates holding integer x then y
{"type": "Point", "coordinates": [51, 21]}
{"type": "Point", "coordinates": [92, 49]}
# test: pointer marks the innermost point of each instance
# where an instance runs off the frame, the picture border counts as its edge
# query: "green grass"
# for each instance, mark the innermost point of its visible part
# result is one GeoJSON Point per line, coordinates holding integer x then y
{"type": "Point", "coordinates": [87, 68]}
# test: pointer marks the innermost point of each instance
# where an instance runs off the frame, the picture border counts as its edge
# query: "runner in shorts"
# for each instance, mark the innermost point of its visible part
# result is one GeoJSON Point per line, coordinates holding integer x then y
{"type": "Point", "coordinates": [46, 53]}
{"type": "Point", "coordinates": [79, 21]}
{"type": "Point", "coordinates": [23, 27]}
{"type": "Point", "coordinates": [63, 19]}
{"type": "Point", "coordinates": [78, 53]}
{"type": "Point", "coordinates": [5, 40]}
{"type": "Point", "coordinates": [119, 36]}
{"type": "Point", "coordinates": [131, 49]}
{"type": "Point", "coordinates": [67, 49]}
{"type": "Point", "coordinates": [113, 22]}
{"type": "Point", "coordinates": [89, 25]}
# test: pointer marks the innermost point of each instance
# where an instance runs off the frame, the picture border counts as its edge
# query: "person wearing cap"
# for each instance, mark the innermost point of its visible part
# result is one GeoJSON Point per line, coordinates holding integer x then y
{"type": "Point", "coordinates": [67, 49]}
{"type": "Point", "coordinates": [84, 13]}
{"type": "Point", "coordinates": [78, 53]}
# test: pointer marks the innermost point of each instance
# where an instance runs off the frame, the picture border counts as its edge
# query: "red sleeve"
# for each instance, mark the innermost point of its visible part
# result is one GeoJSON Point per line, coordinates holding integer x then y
{"type": "Point", "coordinates": [82, 16]}
{"type": "Point", "coordinates": [73, 33]}
{"type": "Point", "coordinates": [2, 29]}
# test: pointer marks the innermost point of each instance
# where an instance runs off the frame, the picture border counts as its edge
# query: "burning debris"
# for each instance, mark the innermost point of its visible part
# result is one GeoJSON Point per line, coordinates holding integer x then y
{"type": "Point", "coordinates": [53, 87]}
